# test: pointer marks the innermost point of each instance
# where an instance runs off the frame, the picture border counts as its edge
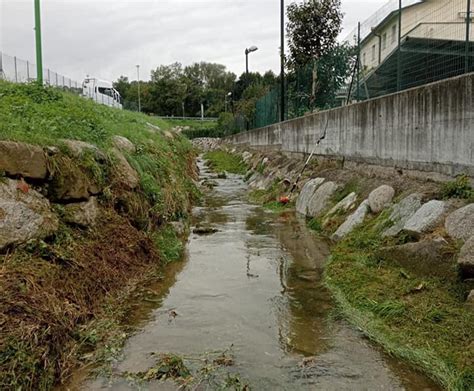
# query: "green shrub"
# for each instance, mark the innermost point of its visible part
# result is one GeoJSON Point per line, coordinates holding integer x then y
{"type": "Point", "coordinates": [459, 188]}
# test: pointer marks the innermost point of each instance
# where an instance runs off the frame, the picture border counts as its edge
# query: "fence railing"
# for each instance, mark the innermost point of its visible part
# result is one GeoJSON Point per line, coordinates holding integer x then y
{"type": "Point", "coordinates": [17, 70]}
{"type": "Point", "coordinates": [404, 44]}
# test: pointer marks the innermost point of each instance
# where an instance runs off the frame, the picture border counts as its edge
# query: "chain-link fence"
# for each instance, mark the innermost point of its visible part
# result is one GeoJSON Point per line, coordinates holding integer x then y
{"type": "Point", "coordinates": [20, 71]}
{"type": "Point", "coordinates": [405, 44]}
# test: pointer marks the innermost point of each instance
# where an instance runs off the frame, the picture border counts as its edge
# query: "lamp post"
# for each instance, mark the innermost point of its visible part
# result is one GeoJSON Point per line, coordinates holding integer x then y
{"type": "Point", "coordinates": [225, 101]}
{"type": "Point", "coordinates": [39, 52]}
{"type": "Point", "coordinates": [247, 51]}
{"type": "Point", "coordinates": [139, 99]}
{"type": "Point", "coordinates": [282, 60]}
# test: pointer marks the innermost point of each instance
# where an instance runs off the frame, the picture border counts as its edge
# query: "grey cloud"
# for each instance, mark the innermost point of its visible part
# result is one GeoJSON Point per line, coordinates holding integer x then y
{"type": "Point", "coordinates": [107, 38]}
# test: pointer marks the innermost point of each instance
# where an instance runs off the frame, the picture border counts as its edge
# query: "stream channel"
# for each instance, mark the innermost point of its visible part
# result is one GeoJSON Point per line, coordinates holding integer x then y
{"type": "Point", "coordinates": [253, 288]}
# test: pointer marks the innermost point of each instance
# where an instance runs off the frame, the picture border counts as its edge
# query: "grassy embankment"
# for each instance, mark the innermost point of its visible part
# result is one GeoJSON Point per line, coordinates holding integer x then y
{"type": "Point", "coordinates": [419, 318]}
{"type": "Point", "coordinates": [62, 298]}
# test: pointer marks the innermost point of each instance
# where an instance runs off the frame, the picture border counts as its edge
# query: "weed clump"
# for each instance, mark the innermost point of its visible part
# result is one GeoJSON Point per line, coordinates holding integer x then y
{"type": "Point", "coordinates": [459, 188]}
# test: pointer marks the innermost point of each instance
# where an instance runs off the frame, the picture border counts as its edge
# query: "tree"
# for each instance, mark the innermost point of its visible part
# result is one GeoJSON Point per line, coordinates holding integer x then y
{"type": "Point", "coordinates": [312, 29]}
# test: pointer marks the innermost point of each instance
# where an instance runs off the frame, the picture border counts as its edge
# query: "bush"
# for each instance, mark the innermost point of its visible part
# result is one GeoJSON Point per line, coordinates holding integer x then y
{"type": "Point", "coordinates": [459, 188]}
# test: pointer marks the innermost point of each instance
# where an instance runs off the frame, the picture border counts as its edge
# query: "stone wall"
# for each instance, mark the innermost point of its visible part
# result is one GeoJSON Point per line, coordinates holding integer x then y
{"type": "Point", "coordinates": [429, 128]}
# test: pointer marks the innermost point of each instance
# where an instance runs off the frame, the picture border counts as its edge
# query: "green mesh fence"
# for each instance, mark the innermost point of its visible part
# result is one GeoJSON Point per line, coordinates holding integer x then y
{"type": "Point", "coordinates": [404, 44]}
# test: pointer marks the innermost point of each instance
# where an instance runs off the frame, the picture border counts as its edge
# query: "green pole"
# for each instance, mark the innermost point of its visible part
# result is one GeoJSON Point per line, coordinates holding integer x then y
{"type": "Point", "coordinates": [39, 53]}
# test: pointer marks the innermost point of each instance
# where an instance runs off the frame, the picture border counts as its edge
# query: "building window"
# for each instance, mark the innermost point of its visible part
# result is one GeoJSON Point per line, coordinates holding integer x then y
{"type": "Point", "coordinates": [394, 33]}
{"type": "Point", "coordinates": [373, 52]}
{"type": "Point", "coordinates": [384, 41]}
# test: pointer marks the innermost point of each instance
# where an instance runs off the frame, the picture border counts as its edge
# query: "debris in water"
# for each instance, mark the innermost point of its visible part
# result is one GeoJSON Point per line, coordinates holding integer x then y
{"type": "Point", "coordinates": [199, 230]}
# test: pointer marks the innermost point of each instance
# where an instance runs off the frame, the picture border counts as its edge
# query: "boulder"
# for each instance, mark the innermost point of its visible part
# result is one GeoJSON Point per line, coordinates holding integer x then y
{"type": "Point", "coordinates": [352, 221]}
{"type": "Point", "coordinates": [401, 212]}
{"type": "Point", "coordinates": [466, 258]}
{"type": "Point", "coordinates": [124, 172]}
{"type": "Point", "coordinates": [424, 258]}
{"type": "Point", "coordinates": [306, 193]}
{"type": "Point", "coordinates": [321, 198]}
{"type": "Point", "coordinates": [123, 143]}
{"type": "Point", "coordinates": [344, 205]}
{"type": "Point", "coordinates": [380, 198]}
{"type": "Point", "coordinates": [426, 218]}
{"type": "Point", "coordinates": [460, 223]}
{"type": "Point", "coordinates": [77, 148]}
{"type": "Point", "coordinates": [26, 160]}
{"type": "Point", "coordinates": [24, 214]}
{"type": "Point", "coordinates": [470, 300]}
{"type": "Point", "coordinates": [69, 183]}
{"type": "Point", "coordinates": [83, 214]}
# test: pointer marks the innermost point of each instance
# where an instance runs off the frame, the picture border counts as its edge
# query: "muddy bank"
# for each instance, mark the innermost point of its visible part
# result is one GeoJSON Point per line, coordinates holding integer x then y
{"type": "Point", "coordinates": [399, 267]}
{"type": "Point", "coordinates": [80, 228]}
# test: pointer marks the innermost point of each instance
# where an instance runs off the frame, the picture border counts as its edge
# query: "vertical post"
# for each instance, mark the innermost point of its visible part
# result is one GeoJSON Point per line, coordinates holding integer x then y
{"type": "Point", "coordinates": [202, 111]}
{"type": "Point", "coordinates": [282, 60]}
{"type": "Point", "coordinates": [399, 54]}
{"type": "Point", "coordinates": [16, 71]}
{"type": "Point", "coordinates": [468, 33]}
{"type": "Point", "coordinates": [57, 83]}
{"type": "Point", "coordinates": [1, 65]}
{"type": "Point", "coordinates": [247, 63]}
{"type": "Point", "coordinates": [182, 106]}
{"type": "Point", "coordinates": [39, 52]}
{"type": "Point", "coordinates": [139, 98]}
{"type": "Point", "coordinates": [358, 63]}
{"type": "Point", "coordinates": [49, 77]}
{"type": "Point", "coordinates": [27, 71]}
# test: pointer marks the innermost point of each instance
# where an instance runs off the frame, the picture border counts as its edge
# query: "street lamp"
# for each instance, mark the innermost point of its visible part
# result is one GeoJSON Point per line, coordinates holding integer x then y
{"type": "Point", "coordinates": [139, 100]}
{"type": "Point", "coordinates": [228, 94]}
{"type": "Point", "coordinates": [247, 51]}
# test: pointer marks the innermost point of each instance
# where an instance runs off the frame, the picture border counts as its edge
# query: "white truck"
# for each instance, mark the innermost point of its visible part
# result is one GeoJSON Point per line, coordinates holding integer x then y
{"type": "Point", "coordinates": [102, 92]}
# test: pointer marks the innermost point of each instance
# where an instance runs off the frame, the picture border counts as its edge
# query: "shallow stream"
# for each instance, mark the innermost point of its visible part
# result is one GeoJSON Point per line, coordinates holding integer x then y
{"type": "Point", "coordinates": [254, 288]}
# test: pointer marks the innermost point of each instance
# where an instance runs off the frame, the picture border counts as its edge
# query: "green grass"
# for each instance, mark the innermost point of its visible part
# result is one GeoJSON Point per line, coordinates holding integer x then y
{"type": "Point", "coordinates": [459, 188]}
{"type": "Point", "coordinates": [171, 247]}
{"type": "Point", "coordinates": [224, 161]}
{"type": "Point", "coordinates": [420, 320]}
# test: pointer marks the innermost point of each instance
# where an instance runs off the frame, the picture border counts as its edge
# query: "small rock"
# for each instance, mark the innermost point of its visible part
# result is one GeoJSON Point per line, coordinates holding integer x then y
{"type": "Point", "coordinates": [179, 227]}
{"type": "Point", "coordinates": [470, 299]}
{"type": "Point", "coordinates": [222, 175]}
{"type": "Point", "coordinates": [246, 156]}
{"type": "Point", "coordinates": [77, 148]}
{"type": "Point", "coordinates": [342, 206]}
{"type": "Point", "coordinates": [460, 223]}
{"type": "Point", "coordinates": [401, 212]}
{"type": "Point", "coordinates": [380, 198]}
{"type": "Point", "coordinates": [352, 221]}
{"type": "Point", "coordinates": [466, 258]}
{"type": "Point", "coordinates": [83, 214]}
{"type": "Point", "coordinates": [306, 193]}
{"type": "Point", "coordinates": [23, 159]}
{"type": "Point", "coordinates": [23, 215]}
{"type": "Point", "coordinates": [320, 199]}
{"type": "Point", "coordinates": [426, 218]}
{"type": "Point", "coordinates": [124, 172]}
{"type": "Point", "coordinates": [123, 143]}
{"type": "Point", "coordinates": [199, 230]}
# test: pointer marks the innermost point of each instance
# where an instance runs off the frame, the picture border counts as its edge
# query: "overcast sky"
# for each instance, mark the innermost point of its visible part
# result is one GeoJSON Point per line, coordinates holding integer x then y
{"type": "Point", "coordinates": [107, 38]}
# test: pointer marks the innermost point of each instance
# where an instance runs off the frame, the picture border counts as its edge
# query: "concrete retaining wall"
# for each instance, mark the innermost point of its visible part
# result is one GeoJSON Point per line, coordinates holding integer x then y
{"type": "Point", "coordinates": [429, 128]}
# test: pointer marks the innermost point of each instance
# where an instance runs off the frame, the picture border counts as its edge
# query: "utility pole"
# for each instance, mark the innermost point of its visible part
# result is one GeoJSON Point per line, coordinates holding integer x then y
{"type": "Point", "coordinates": [39, 52]}
{"type": "Point", "coordinates": [282, 60]}
{"type": "Point", "coordinates": [139, 98]}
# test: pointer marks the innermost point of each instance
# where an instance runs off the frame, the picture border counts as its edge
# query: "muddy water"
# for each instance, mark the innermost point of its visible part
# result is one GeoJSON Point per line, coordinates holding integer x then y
{"type": "Point", "coordinates": [255, 285]}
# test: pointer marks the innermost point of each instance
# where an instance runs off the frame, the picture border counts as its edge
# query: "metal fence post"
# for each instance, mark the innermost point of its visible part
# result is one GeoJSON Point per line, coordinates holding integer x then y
{"type": "Point", "coordinates": [399, 54]}
{"type": "Point", "coordinates": [16, 70]}
{"type": "Point", "coordinates": [358, 63]}
{"type": "Point", "coordinates": [468, 33]}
